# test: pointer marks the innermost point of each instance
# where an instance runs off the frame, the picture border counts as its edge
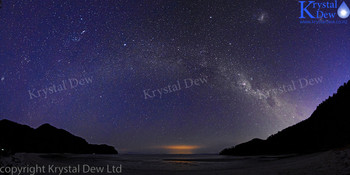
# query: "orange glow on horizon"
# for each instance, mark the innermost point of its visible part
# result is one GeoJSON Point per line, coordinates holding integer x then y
{"type": "Point", "coordinates": [180, 149]}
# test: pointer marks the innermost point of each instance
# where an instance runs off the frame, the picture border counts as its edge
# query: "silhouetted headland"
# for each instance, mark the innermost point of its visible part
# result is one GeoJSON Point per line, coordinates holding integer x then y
{"type": "Point", "coordinates": [16, 138]}
{"type": "Point", "coordinates": [327, 128]}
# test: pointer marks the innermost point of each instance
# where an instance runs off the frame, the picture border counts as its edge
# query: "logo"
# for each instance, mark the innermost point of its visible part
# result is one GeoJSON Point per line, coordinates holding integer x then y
{"type": "Point", "coordinates": [343, 11]}
{"type": "Point", "coordinates": [326, 12]}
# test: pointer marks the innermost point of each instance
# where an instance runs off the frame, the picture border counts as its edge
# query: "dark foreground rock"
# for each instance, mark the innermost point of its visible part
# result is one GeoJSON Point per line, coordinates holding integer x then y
{"type": "Point", "coordinates": [16, 138]}
{"type": "Point", "coordinates": [328, 127]}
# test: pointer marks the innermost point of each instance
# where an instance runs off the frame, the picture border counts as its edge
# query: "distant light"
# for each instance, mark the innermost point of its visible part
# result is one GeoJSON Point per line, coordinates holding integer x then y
{"type": "Point", "coordinates": [124, 44]}
{"type": "Point", "coordinates": [2, 149]}
{"type": "Point", "coordinates": [180, 149]}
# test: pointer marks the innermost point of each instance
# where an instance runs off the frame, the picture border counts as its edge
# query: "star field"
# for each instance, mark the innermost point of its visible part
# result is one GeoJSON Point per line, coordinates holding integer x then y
{"type": "Point", "coordinates": [245, 48]}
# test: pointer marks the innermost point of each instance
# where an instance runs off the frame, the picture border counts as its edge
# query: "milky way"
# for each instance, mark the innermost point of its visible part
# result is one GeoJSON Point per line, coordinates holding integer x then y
{"type": "Point", "coordinates": [246, 49]}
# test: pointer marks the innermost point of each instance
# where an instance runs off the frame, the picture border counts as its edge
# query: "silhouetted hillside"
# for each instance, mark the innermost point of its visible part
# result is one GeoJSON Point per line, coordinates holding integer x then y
{"type": "Point", "coordinates": [45, 139]}
{"type": "Point", "coordinates": [328, 127]}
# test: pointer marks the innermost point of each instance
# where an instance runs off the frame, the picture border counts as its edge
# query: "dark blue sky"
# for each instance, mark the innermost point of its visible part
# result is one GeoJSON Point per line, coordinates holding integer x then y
{"type": "Point", "coordinates": [248, 52]}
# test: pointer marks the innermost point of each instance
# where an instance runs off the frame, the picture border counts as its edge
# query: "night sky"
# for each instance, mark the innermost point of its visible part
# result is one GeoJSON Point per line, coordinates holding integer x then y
{"type": "Point", "coordinates": [166, 76]}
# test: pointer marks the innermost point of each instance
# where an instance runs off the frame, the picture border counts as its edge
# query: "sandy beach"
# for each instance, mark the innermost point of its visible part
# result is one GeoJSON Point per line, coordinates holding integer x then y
{"type": "Point", "coordinates": [335, 162]}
